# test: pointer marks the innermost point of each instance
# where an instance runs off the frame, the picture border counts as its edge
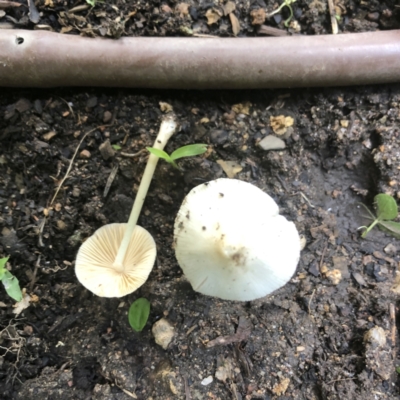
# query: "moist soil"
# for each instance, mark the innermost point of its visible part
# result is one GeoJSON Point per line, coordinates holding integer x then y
{"type": "Point", "coordinates": [330, 333]}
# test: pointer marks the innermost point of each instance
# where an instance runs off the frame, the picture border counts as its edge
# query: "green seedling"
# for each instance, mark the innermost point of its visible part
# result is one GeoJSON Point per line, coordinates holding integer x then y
{"type": "Point", "coordinates": [288, 4]}
{"type": "Point", "coordinates": [9, 281]}
{"type": "Point", "coordinates": [386, 212]}
{"type": "Point", "coordinates": [94, 2]}
{"type": "Point", "coordinates": [185, 151]}
{"type": "Point", "coordinates": [116, 147]}
{"type": "Point", "coordinates": [138, 314]}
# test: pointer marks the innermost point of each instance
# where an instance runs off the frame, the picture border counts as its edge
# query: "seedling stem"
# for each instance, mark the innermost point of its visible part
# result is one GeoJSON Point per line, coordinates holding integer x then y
{"type": "Point", "coordinates": [167, 129]}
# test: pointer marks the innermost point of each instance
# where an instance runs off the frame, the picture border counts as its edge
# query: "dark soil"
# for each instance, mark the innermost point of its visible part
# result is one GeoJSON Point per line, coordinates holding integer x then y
{"type": "Point", "coordinates": [311, 339]}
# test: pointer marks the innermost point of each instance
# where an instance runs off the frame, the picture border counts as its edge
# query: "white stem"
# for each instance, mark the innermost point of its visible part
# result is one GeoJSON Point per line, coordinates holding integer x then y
{"type": "Point", "coordinates": [167, 129]}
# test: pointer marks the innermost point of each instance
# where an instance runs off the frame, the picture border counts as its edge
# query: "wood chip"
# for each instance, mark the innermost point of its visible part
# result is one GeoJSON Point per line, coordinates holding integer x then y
{"type": "Point", "coordinates": [213, 16]}
{"type": "Point", "coordinates": [359, 279]}
{"type": "Point", "coordinates": [257, 16]}
{"type": "Point", "coordinates": [231, 168]}
{"type": "Point", "coordinates": [242, 333]}
{"type": "Point", "coordinates": [235, 24]}
{"type": "Point", "coordinates": [229, 7]}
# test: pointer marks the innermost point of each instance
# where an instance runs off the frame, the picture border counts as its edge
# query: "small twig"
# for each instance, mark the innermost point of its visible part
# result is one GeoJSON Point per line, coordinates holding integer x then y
{"type": "Point", "coordinates": [304, 197]}
{"type": "Point", "coordinates": [70, 165]}
{"type": "Point", "coordinates": [187, 391]}
{"type": "Point", "coordinates": [69, 106]}
{"type": "Point", "coordinates": [332, 13]}
{"type": "Point", "coordinates": [110, 180]}
{"type": "Point", "coordinates": [132, 155]}
{"type": "Point", "coordinates": [309, 303]}
{"type": "Point", "coordinates": [133, 395]}
{"type": "Point", "coordinates": [340, 379]}
{"type": "Point", "coordinates": [392, 312]}
{"type": "Point", "coordinates": [322, 257]}
{"type": "Point", "coordinates": [33, 280]}
{"type": "Point", "coordinates": [269, 30]}
{"type": "Point", "coordinates": [41, 227]}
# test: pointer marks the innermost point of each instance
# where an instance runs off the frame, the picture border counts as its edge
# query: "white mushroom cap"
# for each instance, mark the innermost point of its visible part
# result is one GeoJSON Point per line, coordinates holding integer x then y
{"type": "Point", "coordinates": [95, 267]}
{"type": "Point", "coordinates": [231, 242]}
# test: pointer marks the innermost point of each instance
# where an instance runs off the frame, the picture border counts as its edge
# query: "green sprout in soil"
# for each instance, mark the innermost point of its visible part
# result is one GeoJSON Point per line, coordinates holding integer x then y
{"type": "Point", "coordinates": [288, 4]}
{"type": "Point", "coordinates": [9, 281]}
{"type": "Point", "coordinates": [116, 147]}
{"type": "Point", "coordinates": [138, 314]}
{"type": "Point", "coordinates": [94, 2]}
{"type": "Point", "coordinates": [386, 212]}
{"type": "Point", "coordinates": [185, 151]}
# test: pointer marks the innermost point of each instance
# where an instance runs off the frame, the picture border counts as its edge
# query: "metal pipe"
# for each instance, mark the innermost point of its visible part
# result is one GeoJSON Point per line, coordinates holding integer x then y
{"type": "Point", "coordinates": [46, 59]}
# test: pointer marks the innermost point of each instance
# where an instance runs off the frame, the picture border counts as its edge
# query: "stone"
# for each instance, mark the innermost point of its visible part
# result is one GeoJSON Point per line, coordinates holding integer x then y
{"type": "Point", "coordinates": [271, 142]}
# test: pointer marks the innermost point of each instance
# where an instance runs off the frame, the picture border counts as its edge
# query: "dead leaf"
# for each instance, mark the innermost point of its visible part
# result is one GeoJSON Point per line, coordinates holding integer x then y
{"type": "Point", "coordinates": [396, 286]}
{"type": "Point", "coordinates": [229, 7]}
{"type": "Point", "coordinates": [224, 369]}
{"type": "Point", "coordinates": [235, 24]}
{"type": "Point", "coordinates": [242, 108]}
{"type": "Point", "coordinates": [165, 107]}
{"type": "Point", "coordinates": [231, 168]}
{"type": "Point", "coordinates": [280, 123]}
{"type": "Point", "coordinates": [213, 16]}
{"type": "Point", "coordinates": [182, 9]}
{"type": "Point", "coordinates": [280, 388]}
{"type": "Point", "coordinates": [166, 9]}
{"type": "Point", "coordinates": [257, 16]}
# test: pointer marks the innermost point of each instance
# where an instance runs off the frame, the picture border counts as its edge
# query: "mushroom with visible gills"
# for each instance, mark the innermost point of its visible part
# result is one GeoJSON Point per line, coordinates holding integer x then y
{"type": "Point", "coordinates": [117, 259]}
{"type": "Point", "coordinates": [231, 242]}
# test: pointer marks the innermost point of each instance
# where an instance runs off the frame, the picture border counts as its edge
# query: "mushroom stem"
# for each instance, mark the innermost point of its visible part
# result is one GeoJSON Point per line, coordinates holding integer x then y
{"type": "Point", "coordinates": [167, 129]}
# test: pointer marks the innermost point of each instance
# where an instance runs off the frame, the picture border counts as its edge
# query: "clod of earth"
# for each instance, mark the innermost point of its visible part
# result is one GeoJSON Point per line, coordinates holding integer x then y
{"type": "Point", "coordinates": [231, 242]}
{"type": "Point", "coordinates": [117, 259]}
{"type": "Point", "coordinates": [47, 59]}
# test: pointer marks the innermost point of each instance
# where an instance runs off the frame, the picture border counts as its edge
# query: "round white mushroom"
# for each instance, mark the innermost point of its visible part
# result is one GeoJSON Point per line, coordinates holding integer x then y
{"type": "Point", "coordinates": [97, 270]}
{"type": "Point", "coordinates": [231, 242]}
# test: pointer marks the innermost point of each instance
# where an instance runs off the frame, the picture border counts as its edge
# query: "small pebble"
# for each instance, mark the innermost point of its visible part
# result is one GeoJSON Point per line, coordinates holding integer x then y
{"type": "Point", "coordinates": [376, 337]}
{"type": "Point", "coordinates": [335, 276]}
{"type": "Point", "coordinates": [390, 249]}
{"type": "Point", "coordinates": [106, 150]}
{"type": "Point", "coordinates": [272, 143]}
{"type": "Point", "coordinates": [92, 102]}
{"type": "Point", "coordinates": [207, 381]}
{"type": "Point", "coordinates": [107, 116]}
{"type": "Point", "coordinates": [163, 332]}
{"type": "Point", "coordinates": [85, 154]}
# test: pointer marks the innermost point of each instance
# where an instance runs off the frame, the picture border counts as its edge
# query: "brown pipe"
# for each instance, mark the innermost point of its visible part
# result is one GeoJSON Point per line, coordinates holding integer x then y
{"type": "Point", "coordinates": [45, 59]}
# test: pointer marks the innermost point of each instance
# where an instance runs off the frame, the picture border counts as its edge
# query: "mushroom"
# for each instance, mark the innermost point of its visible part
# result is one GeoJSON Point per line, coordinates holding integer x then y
{"type": "Point", "coordinates": [117, 259]}
{"type": "Point", "coordinates": [231, 242]}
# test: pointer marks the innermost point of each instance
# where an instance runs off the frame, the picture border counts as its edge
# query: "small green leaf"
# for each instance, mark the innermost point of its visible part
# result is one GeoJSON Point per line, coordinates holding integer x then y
{"type": "Point", "coordinates": [390, 227]}
{"type": "Point", "coordinates": [138, 314]}
{"type": "Point", "coordinates": [189, 151]}
{"type": "Point", "coordinates": [398, 370]}
{"type": "Point", "coordinates": [386, 207]}
{"type": "Point", "coordinates": [116, 147]}
{"type": "Point", "coordinates": [160, 154]}
{"type": "Point", "coordinates": [3, 262]}
{"type": "Point", "coordinates": [11, 285]}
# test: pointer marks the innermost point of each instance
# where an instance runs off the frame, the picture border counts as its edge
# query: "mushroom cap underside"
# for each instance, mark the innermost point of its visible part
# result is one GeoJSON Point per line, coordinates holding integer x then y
{"type": "Point", "coordinates": [95, 267]}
